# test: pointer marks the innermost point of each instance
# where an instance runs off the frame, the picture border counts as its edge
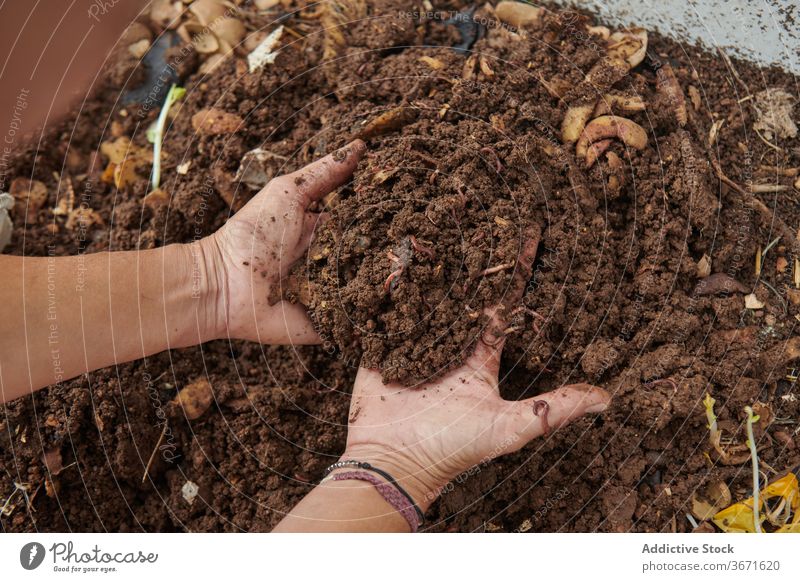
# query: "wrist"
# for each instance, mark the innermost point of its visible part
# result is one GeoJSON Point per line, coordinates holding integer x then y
{"type": "Point", "coordinates": [418, 481]}
{"type": "Point", "coordinates": [205, 285]}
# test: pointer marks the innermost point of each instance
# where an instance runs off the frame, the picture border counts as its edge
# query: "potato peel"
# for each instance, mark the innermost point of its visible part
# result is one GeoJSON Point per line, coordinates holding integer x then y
{"type": "Point", "coordinates": [629, 46]}
{"type": "Point", "coordinates": [596, 150]}
{"type": "Point", "coordinates": [612, 102]}
{"type": "Point", "coordinates": [611, 126]}
{"type": "Point", "coordinates": [575, 121]}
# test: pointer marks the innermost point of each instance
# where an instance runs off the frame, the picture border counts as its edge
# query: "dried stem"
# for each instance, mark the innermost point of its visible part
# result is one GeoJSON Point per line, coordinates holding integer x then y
{"type": "Point", "coordinates": [153, 454]}
{"type": "Point", "coordinates": [751, 442]}
{"type": "Point", "coordinates": [496, 269]}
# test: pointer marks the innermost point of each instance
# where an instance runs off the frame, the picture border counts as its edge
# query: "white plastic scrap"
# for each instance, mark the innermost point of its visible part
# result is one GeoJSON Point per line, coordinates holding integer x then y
{"type": "Point", "coordinates": [262, 54]}
{"type": "Point", "coordinates": [774, 112]}
{"type": "Point", "coordinates": [189, 491]}
{"type": "Point", "coordinates": [6, 226]}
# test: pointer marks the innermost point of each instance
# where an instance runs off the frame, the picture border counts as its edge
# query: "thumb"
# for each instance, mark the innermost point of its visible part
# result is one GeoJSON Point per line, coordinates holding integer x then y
{"type": "Point", "coordinates": [540, 415]}
{"type": "Point", "coordinates": [320, 177]}
{"type": "Point", "coordinates": [311, 222]}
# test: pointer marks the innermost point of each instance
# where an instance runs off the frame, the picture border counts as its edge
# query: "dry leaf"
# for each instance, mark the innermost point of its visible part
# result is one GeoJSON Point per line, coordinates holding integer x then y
{"type": "Point", "coordinates": [31, 194]}
{"type": "Point", "coordinates": [711, 500]}
{"type": "Point", "coordinates": [704, 267]}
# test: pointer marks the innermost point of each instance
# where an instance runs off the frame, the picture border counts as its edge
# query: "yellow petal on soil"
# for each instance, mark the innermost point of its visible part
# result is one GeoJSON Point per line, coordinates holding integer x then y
{"type": "Point", "coordinates": [783, 487]}
{"type": "Point", "coordinates": [738, 518]}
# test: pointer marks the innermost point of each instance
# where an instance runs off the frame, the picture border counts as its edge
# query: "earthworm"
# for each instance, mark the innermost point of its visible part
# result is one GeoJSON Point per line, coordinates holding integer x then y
{"type": "Point", "coordinates": [387, 286]}
{"type": "Point", "coordinates": [496, 341]}
{"type": "Point", "coordinates": [542, 408]}
{"type": "Point", "coordinates": [420, 248]}
{"type": "Point", "coordinates": [667, 381]}
{"type": "Point", "coordinates": [488, 150]}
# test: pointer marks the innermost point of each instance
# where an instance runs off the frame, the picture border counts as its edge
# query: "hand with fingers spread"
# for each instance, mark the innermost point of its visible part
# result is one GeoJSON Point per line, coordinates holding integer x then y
{"type": "Point", "coordinates": [258, 245]}
{"type": "Point", "coordinates": [425, 436]}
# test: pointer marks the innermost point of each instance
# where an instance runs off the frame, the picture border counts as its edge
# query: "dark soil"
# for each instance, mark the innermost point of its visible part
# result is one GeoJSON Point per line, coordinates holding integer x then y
{"type": "Point", "coordinates": [468, 156]}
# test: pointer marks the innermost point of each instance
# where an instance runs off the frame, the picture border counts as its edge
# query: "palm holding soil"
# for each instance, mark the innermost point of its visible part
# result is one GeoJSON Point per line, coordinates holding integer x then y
{"type": "Point", "coordinates": [429, 434]}
{"type": "Point", "coordinates": [257, 247]}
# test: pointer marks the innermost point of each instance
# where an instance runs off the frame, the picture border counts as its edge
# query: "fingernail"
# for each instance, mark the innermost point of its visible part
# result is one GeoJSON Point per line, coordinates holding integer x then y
{"type": "Point", "coordinates": [359, 147]}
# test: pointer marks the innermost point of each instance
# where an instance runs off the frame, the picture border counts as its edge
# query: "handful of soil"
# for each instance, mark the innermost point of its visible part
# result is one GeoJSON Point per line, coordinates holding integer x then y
{"type": "Point", "coordinates": [467, 152]}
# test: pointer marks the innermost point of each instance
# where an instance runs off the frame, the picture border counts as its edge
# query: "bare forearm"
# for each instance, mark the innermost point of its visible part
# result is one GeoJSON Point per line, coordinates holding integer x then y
{"type": "Point", "coordinates": [62, 317]}
{"type": "Point", "coordinates": [343, 506]}
{"type": "Point", "coordinates": [353, 505]}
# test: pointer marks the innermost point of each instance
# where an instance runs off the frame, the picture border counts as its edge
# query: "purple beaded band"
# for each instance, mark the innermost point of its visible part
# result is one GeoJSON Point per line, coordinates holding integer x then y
{"type": "Point", "coordinates": [392, 496]}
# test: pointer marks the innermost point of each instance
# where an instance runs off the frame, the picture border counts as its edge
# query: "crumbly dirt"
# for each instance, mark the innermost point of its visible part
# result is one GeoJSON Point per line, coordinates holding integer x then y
{"type": "Point", "coordinates": [467, 154]}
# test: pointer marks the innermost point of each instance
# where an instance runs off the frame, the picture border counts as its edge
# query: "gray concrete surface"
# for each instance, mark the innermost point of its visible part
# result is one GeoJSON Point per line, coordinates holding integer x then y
{"type": "Point", "coordinates": [765, 31]}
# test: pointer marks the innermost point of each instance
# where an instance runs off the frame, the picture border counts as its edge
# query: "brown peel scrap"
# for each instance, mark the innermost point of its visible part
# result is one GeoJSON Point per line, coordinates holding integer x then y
{"type": "Point", "coordinates": [387, 122]}
{"type": "Point", "coordinates": [610, 126]}
{"type": "Point", "coordinates": [667, 84]}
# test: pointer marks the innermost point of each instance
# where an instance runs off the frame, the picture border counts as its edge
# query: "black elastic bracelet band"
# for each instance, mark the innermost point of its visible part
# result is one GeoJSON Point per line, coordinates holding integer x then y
{"type": "Point", "coordinates": [367, 467]}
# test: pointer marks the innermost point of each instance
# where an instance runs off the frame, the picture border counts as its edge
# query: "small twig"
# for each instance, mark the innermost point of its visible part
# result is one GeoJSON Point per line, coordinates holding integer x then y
{"type": "Point", "coordinates": [766, 141]}
{"type": "Point", "coordinates": [153, 454]}
{"type": "Point", "coordinates": [4, 509]}
{"type": "Point", "coordinates": [778, 295]}
{"type": "Point", "coordinates": [769, 246]}
{"type": "Point", "coordinates": [767, 188]}
{"type": "Point", "coordinates": [756, 204]}
{"type": "Point", "coordinates": [496, 269]}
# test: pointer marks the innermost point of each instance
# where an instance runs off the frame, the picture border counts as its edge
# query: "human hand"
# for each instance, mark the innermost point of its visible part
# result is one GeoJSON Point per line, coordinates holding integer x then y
{"type": "Point", "coordinates": [426, 436]}
{"type": "Point", "coordinates": [247, 258]}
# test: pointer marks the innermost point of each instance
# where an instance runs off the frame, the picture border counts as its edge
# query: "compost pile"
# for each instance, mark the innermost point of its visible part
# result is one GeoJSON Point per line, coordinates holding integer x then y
{"type": "Point", "coordinates": [664, 180]}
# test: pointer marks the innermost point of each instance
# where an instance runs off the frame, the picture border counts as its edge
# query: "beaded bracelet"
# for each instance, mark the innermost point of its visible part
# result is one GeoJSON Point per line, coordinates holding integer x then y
{"type": "Point", "coordinates": [388, 490]}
